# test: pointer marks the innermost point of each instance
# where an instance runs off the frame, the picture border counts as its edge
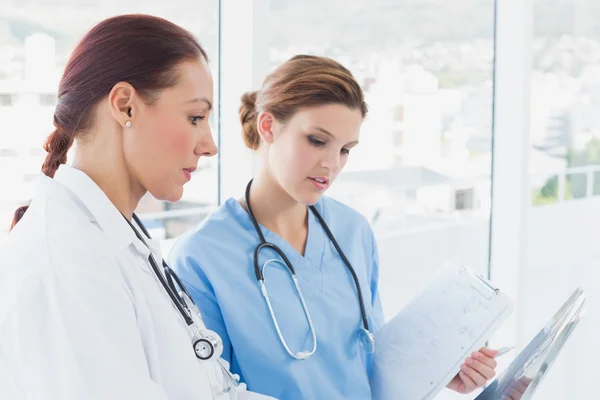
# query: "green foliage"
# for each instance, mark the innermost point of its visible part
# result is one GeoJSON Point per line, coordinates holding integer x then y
{"type": "Point", "coordinates": [576, 184]}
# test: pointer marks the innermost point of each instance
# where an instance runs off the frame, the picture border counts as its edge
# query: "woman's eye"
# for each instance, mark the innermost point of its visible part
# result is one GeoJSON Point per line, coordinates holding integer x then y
{"type": "Point", "coordinates": [316, 142]}
{"type": "Point", "coordinates": [194, 120]}
{"type": "Point", "coordinates": [345, 151]}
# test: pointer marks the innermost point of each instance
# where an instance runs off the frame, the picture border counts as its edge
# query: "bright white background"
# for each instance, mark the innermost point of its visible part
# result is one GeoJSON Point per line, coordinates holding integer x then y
{"type": "Point", "coordinates": [482, 142]}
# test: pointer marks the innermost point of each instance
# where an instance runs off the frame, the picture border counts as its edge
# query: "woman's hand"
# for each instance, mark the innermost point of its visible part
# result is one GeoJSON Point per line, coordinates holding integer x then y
{"type": "Point", "coordinates": [516, 389]}
{"type": "Point", "coordinates": [475, 372]}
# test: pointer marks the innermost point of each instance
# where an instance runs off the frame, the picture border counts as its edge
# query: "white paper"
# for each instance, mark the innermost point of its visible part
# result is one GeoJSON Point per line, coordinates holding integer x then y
{"type": "Point", "coordinates": [420, 350]}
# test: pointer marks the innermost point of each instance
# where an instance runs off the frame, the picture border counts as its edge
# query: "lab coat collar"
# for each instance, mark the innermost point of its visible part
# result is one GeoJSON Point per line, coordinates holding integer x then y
{"type": "Point", "coordinates": [103, 211]}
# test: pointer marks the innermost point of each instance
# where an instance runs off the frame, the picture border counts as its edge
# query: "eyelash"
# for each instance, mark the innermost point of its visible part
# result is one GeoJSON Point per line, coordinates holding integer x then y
{"type": "Point", "coordinates": [316, 142]}
{"type": "Point", "coordinates": [194, 119]}
{"type": "Point", "coordinates": [319, 143]}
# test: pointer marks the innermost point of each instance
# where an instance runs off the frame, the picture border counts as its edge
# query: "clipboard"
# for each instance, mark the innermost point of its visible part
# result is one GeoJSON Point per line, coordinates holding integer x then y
{"type": "Point", "coordinates": [524, 375]}
{"type": "Point", "coordinates": [421, 349]}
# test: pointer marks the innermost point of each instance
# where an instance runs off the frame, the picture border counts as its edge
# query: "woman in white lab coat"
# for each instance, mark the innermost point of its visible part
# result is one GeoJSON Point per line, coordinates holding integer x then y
{"type": "Point", "coordinates": [83, 312]}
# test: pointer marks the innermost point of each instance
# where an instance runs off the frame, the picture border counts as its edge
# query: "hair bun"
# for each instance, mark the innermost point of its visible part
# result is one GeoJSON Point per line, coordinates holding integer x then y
{"type": "Point", "coordinates": [248, 114]}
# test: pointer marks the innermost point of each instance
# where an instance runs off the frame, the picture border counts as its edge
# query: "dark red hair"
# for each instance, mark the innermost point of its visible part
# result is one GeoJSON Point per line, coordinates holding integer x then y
{"type": "Point", "coordinates": [139, 49]}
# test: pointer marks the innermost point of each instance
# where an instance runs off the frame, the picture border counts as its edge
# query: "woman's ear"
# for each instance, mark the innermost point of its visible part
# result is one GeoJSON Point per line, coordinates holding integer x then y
{"type": "Point", "coordinates": [265, 123]}
{"type": "Point", "coordinates": [120, 101]}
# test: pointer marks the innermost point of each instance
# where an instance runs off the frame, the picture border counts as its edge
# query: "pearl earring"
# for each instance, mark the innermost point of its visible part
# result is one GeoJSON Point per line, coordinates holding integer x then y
{"type": "Point", "coordinates": [128, 124]}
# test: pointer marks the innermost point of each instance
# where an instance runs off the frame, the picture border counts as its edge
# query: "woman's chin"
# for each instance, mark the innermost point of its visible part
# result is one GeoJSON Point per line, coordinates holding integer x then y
{"type": "Point", "coordinates": [309, 199]}
{"type": "Point", "coordinates": [172, 194]}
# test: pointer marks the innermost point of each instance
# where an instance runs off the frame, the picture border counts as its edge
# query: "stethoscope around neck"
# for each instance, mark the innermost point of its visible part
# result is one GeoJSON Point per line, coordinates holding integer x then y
{"type": "Point", "coordinates": [365, 337]}
{"type": "Point", "coordinates": [207, 344]}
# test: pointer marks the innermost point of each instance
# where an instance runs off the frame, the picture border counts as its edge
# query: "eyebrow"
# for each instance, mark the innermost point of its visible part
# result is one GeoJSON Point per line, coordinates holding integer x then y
{"type": "Point", "coordinates": [332, 136]}
{"type": "Point", "coordinates": [200, 100]}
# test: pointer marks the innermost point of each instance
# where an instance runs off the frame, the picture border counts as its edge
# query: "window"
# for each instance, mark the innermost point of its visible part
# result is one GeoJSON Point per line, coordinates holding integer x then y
{"type": "Point", "coordinates": [564, 161]}
{"type": "Point", "coordinates": [30, 68]}
{"type": "Point", "coordinates": [428, 83]}
{"type": "Point", "coordinates": [422, 174]}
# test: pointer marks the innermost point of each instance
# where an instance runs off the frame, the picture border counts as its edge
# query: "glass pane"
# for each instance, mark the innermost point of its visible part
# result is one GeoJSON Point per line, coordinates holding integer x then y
{"type": "Point", "coordinates": [564, 221]}
{"type": "Point", "coordinates": [36, 38]}
{"type": "Point", "coordinates": [421, 173]}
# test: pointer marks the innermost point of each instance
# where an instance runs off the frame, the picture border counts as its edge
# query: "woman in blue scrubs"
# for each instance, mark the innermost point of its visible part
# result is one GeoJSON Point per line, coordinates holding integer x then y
{"type": "Point", "coordinates": [303, 122]}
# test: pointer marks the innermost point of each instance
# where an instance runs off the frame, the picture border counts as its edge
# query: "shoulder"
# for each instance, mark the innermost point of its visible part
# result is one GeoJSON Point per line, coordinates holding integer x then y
{"type": "Point", "coordinates": [207, 255]}
{"type": "Point", "coordinates": [332, 206]}
{"type": "Point", "coordinates": [75, 243]}
{"type": "Point", "coordinates": [53, 244]}
{"type": "Point", "coordinates": [220, 229]}
{"type": "Point", "coordinates": [55, 235]}
{"type": "Point", "coordinates": [342, 216]}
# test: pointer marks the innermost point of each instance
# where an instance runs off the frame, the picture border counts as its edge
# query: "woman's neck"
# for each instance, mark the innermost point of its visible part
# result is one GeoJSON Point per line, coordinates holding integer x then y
{"type": "Point", "coordinates": [276, 210]}
{"type": "Point", "coordinates": [108, 170]}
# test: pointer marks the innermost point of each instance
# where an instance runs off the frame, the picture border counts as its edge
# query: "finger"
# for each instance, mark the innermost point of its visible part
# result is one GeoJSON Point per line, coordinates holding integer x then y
{"type": "Point", "coordinates": [515, 395]}
{"type": "Point", "coordinates": [515, 389]}
{"type": "Point", "coordinates": [484, 370]}
{"type": "Point", "coordinates": [488, 352]}
{"type": "Point", "coordinates": [481, 357]}
{"type": "Point", "coordinates": [474, 375]}
{"type": "Point", "coordinates": [521, 386]}
{"type": "Point", "coordinates": [469, 383]}
{"type": "Point", "coordinates": [525, 381]}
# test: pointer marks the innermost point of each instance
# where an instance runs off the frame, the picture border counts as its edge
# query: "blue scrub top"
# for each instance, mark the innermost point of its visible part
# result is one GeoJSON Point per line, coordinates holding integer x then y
{"type": "Point", "coordinates": [215, 262]}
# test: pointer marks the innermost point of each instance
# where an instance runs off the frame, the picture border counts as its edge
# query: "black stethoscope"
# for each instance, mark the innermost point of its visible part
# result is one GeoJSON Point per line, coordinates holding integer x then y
{"type": "Point", "coordinates": [365, 336]}
{"type": "Point", "coordinates": [206, 343]}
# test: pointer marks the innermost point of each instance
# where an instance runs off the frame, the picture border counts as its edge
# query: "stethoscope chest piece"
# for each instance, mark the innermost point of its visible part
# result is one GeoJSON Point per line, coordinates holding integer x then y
{"type": "Point", "coordinates": [204, 349]}
{"type": "Point", "coordinates": [207, 345]}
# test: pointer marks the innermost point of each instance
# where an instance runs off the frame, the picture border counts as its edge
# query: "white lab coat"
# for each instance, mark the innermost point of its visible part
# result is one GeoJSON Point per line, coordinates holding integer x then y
{"type": "Point", "coordinates": [82, 315]}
